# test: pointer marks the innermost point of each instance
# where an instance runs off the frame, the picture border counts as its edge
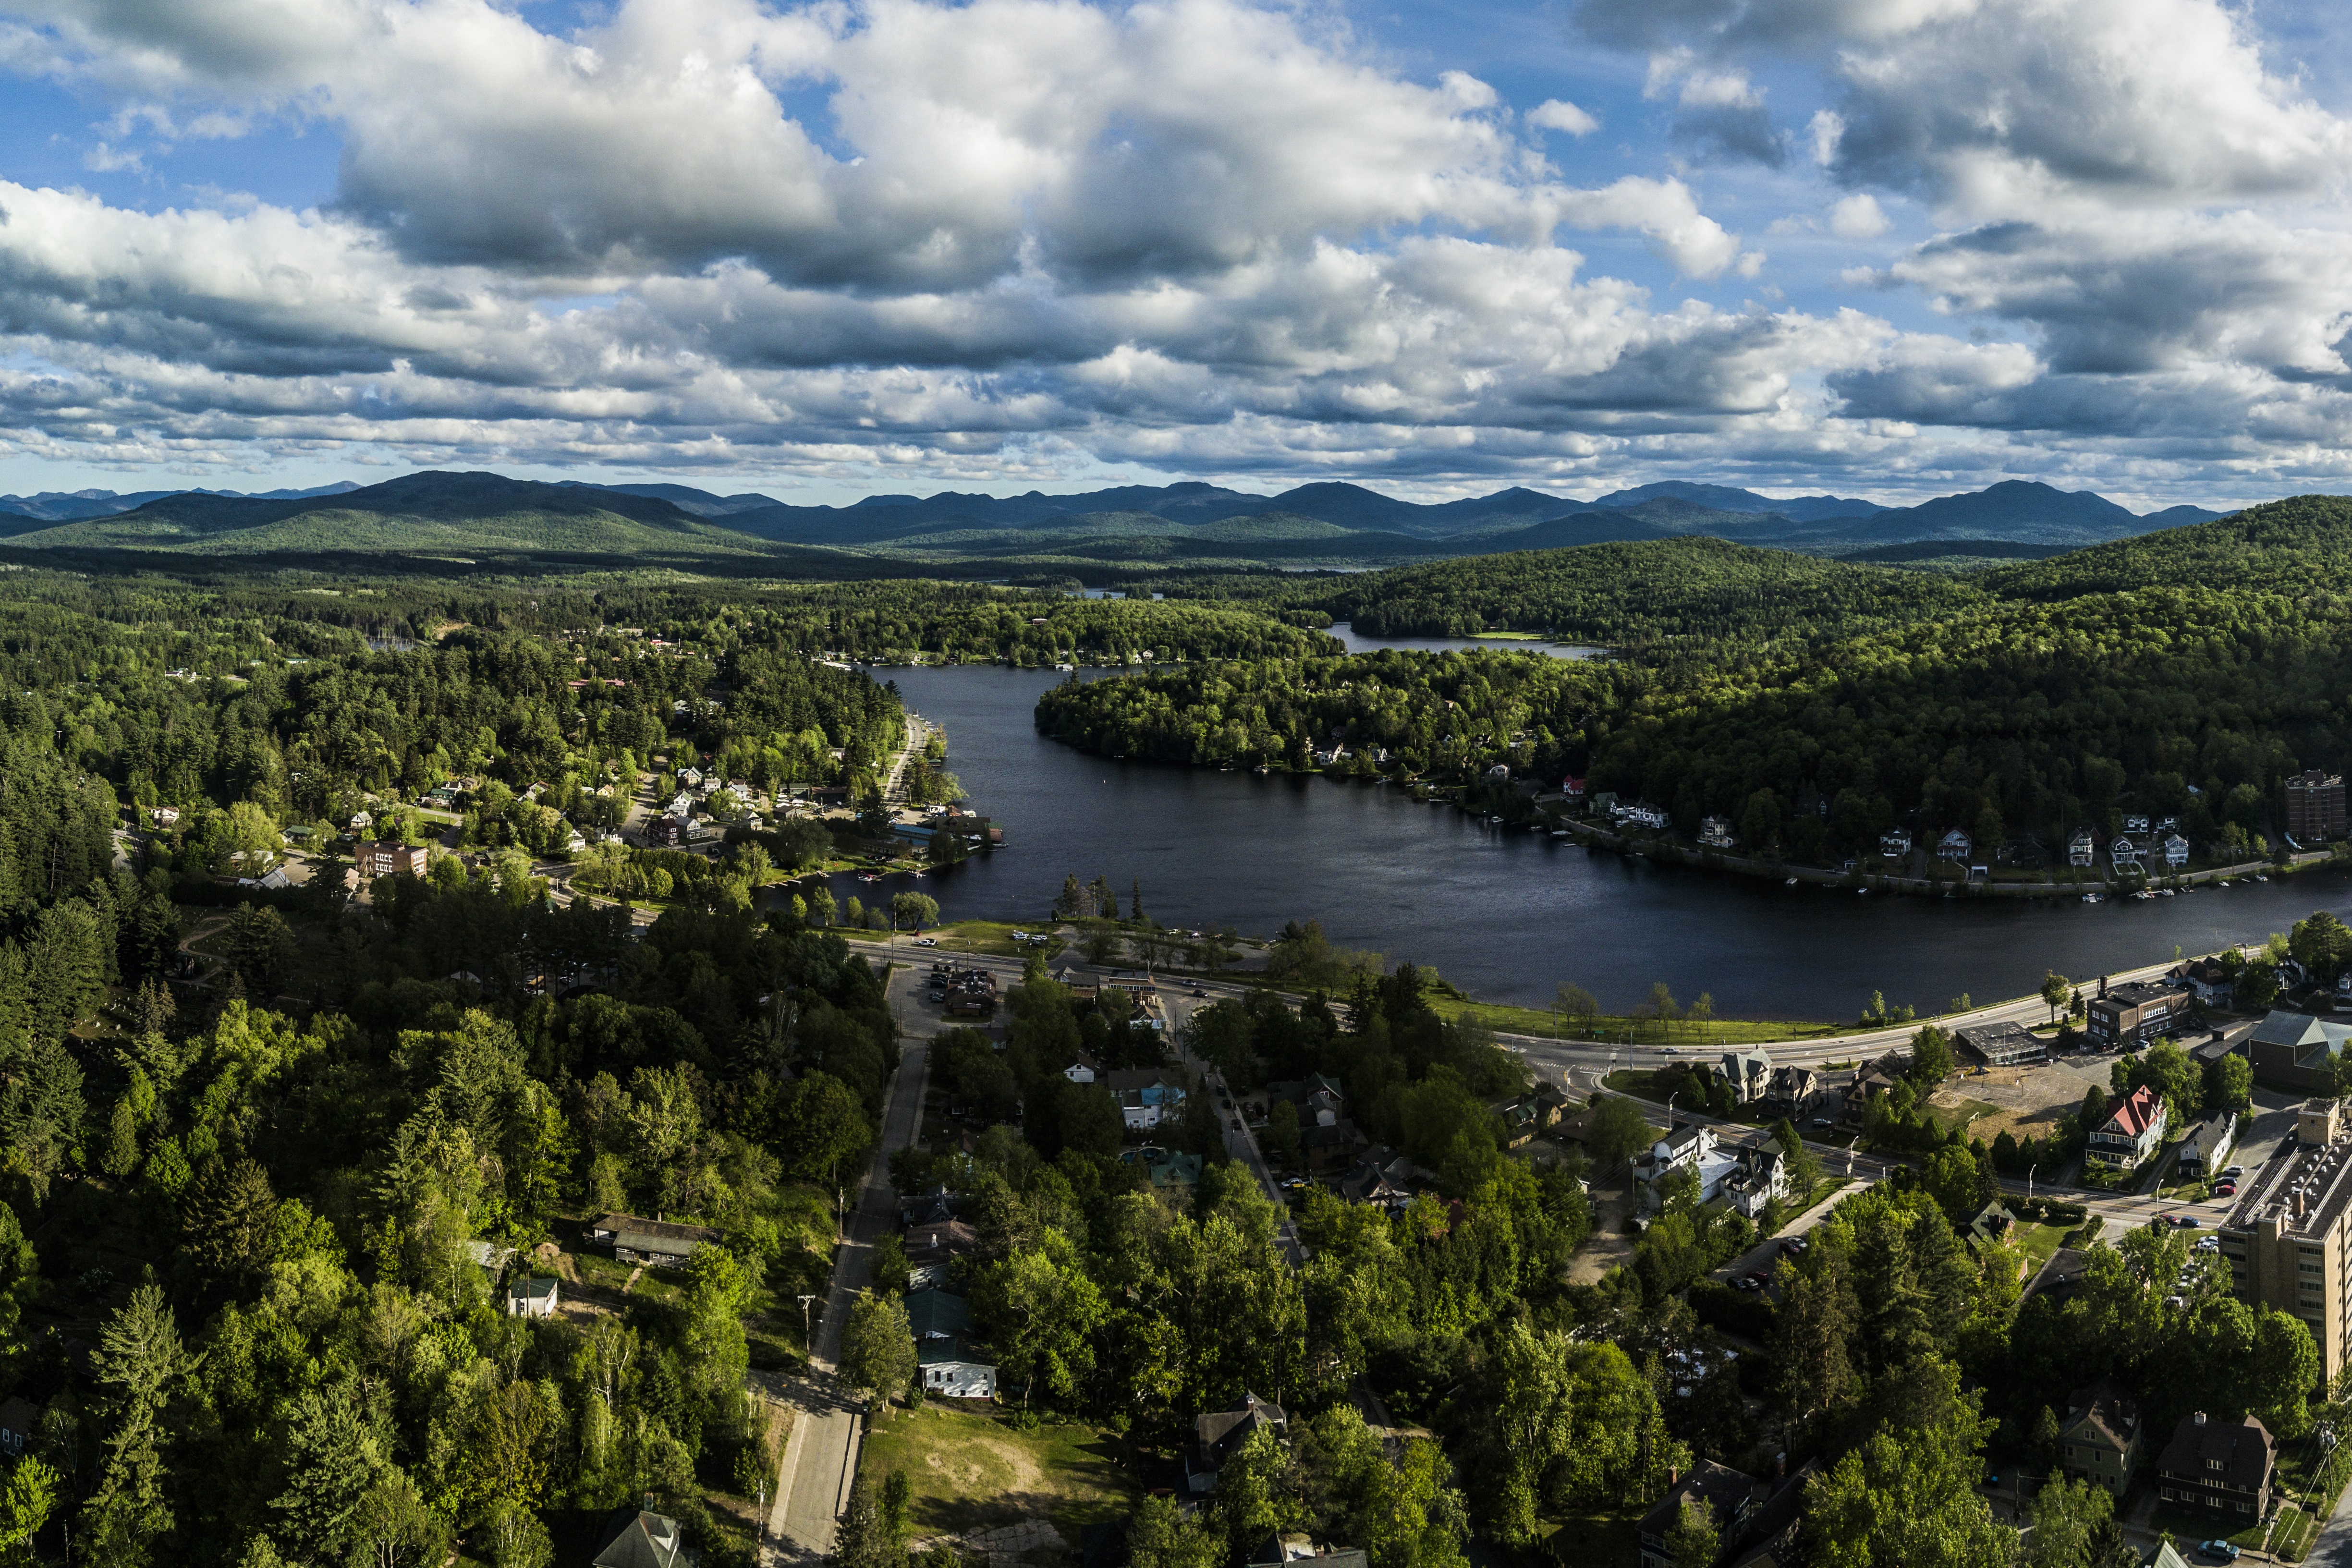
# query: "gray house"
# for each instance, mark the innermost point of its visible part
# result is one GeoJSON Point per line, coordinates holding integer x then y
{"type": "Point", "coordinates": [2205, 1153]}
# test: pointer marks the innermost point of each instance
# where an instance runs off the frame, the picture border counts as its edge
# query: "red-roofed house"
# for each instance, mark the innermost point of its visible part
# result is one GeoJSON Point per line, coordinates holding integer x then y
{"type": "Point", "coordinates": [2131, 1131]}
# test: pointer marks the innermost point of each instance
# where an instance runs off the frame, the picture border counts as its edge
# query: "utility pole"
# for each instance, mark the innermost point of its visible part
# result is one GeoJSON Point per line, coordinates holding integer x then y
{"type": "Point", "coordinates": [808, 1337]}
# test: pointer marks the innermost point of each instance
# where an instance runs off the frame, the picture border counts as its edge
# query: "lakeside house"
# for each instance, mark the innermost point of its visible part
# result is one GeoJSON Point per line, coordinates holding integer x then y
{"type": "Point", "coordinates": [2122, 856]}
{"type": "Point", "coordinates": [2082, 849]}
{"type": "Point", "coordinates": [2131, 1131]}
{"type": "Point", "coordinates": [1894, 843]}
{"type": "Point", "coordinates": [2207, 981]}
{"type": "Point", "coordinates": [1956, 846]}
{"type": "Point", "coordinates": [1791, 1092]}
{"type": "Point", "coordinates": [2176, 851]}
{"type": "Point", "coordinates": [1748, 1072]}
{"type": "Point", "coordinates": [1714, 832]}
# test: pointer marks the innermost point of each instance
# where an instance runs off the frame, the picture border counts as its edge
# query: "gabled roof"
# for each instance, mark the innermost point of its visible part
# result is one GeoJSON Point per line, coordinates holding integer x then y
{"type": "Point", "coordinates": [1220, 1432]}
{"type": "Point", "coordinates": [2107, 1409]}
{"type": "Point", "coordinates": [2243, 1447]}
{"type": "Point", "coordinates": [1719, 1488]}
{"type": "Point", "coordinates": [2137, 1115]}
{"type": "Point", "coordinates": [637, 1538]}
{"type": "Point", "coordinates": [937, 1314]}
{"type": "Point", "coordinates": [951, 1348]}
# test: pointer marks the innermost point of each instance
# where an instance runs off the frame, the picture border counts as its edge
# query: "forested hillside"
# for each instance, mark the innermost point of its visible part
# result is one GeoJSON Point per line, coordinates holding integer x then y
{"type": "Point", "coordinates": [2185, 675]}
{"type": "Point", "coordinates": [1641, 593]}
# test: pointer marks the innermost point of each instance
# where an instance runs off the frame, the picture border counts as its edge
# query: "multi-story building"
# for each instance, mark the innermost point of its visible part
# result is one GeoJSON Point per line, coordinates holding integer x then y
{"type": "Point", "coordinates": [385, 857]}
{"type": "Point", "coordinates": [2315, 806]}
{"type": "Point", "coordinates": [2131, 1131]}
{"type": "Point", "coordinates": [2130, 1015]}
{"type": "Point", "coordinates": [2224, 1466]}
{"type": "Point", "coordinates": [2100, 1439]}
{"type": "Point", "coordinates": [2284, 1238]}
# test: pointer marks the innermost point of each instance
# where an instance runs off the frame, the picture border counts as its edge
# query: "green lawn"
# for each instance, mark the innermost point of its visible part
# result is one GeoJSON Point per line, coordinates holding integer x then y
{"type": "Point", "coordinates": [1596, 1541]}
{"type": "Point", "coordinates": [2039, 1242]}
{"type": "Point", "coordinates": [2190, 1525]}
{"type": "Point", "coordinates": [1506, 1019]}
{"type": "Point", "coordinates": [970, 1470]}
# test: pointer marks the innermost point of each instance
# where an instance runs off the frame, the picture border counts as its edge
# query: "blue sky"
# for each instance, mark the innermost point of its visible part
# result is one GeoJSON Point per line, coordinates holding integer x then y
{"type": "Point", "coordinates": [1885, 247]}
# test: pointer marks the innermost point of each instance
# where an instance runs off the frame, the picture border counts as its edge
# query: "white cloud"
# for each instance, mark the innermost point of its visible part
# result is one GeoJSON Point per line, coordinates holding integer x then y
{"type": "Point", "coordinates": [1559, 114]}
{"type": "Point", "coordinates": [1858, 217]}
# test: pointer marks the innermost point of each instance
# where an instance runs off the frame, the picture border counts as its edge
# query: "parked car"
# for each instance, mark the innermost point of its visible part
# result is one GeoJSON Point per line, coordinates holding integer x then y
{"type": "Point", "coordinates": [1757, 1278]}
{"type": "Point", "coordinates": [927, 941]}
{"type": "Point", "coordinates": [2220, 1549]}
{"type": "Point", "coordinates": [1794, 1245]}
{"type": "Point", "coordinates": [1745, 1283]}
{"type": "Point", "coordinates": [2187, 1221]}
{"type": "Point", "coordinates": [1823, 1122]}
{"type": "Point", "coordinates": [2233, 1171]}
{"type": "Point", "coordinates": [1237, 1123]}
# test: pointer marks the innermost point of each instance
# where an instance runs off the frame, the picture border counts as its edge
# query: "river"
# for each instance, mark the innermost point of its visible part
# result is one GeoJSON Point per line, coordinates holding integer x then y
{"type": "Point", "coordinates": [1505, 915]}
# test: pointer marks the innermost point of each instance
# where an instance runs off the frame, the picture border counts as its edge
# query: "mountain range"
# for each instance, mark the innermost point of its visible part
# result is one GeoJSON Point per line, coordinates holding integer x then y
{"type": "Point", "coordinates": [1186, 525]}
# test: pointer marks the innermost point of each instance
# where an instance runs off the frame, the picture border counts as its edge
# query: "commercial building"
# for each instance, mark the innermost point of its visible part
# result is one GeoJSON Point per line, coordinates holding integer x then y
{"type": "Point", "coordinates": [2315, 806]}
{"type": "Point", "coordinates": [2284, 1238]}
{"type": "Point", "coordinates": [2290, 1050]}
{"type": "Point", "coordinates": [2130, 1015]}
{"type": "Point", "coordinates": [2002, 1044]}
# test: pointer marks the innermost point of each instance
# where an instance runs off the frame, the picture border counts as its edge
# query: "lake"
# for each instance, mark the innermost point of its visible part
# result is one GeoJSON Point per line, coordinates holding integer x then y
{"type": "Point", "coordinates": [1360, 644]}
{"type": "Point", "coordinates": [1505, 915]}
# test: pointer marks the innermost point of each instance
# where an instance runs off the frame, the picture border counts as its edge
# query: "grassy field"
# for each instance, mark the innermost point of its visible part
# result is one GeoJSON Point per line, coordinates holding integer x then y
{"type": "Point", "coordinates": [1506, 1019]}
{"type": "Point", "coordinates": [971, 1472]}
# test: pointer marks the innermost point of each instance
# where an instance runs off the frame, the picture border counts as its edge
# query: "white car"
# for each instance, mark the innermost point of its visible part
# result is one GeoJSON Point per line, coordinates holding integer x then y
{"type": "Point", "coordinates": [1021, 937]}
{"type": "Point", "coordinates": [927, 941]}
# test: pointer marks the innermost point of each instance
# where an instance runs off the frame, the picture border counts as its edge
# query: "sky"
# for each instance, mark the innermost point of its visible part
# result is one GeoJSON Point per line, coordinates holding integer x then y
{"type": "Point", "coordinates": [1889, 248]}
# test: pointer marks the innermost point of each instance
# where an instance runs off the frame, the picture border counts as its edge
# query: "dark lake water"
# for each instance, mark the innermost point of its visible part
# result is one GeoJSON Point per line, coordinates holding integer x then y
{"type": "Point", "coordinates": [1357, 644]}
{"type": "Point", "coordinates": [1507, 917]}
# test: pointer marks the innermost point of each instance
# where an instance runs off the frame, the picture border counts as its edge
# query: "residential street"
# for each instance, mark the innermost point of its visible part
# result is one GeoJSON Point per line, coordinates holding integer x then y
{"type": "Point", "coordinates": [822, 1459]}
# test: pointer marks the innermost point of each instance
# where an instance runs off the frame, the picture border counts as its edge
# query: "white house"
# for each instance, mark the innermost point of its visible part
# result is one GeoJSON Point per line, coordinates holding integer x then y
{"type": "Point", "coordinates": [2081, 849]}
{"type": "Point", "coordinates": [2176, 850]}
{"type": "Point", "coordinates": [531, 1298]}
{"type": "Point", "coordinates": [1715, 833]}
{"type": "Point", "coordinates": [1955, 845]}
{"type": "Point", "coordinates": [1081, 1069]}
{"type": "Point", "coordinates": [952, 1370]}
{"type": "Point", "coordinates": [1894, 843]}
{"type": "Point", "coordinates": [2123, 855]}
{"type": "Point", "coordinates": [1145, 1096]}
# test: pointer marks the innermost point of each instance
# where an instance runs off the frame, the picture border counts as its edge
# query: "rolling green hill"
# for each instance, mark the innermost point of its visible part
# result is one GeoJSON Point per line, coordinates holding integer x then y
{"type": "Point", "coordinates": [441, 514]}
{"type": "Point", "coordinates": [2298, 545]}
{"type": "Point", "coordinates": [1669, 589]}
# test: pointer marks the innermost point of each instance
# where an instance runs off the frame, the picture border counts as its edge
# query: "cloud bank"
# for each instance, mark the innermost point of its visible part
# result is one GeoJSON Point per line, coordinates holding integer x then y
{"type": "Point", "coordinates": [1019, 238]}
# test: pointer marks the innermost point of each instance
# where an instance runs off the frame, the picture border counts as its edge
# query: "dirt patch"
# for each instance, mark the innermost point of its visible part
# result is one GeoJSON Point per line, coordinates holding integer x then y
{"type": "Point", "coordinates": [2026, 1102]}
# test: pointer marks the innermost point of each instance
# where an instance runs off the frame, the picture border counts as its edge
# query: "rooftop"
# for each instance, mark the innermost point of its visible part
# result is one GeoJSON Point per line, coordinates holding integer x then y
{"type": "Point", "coordinates": [2303, 1187]}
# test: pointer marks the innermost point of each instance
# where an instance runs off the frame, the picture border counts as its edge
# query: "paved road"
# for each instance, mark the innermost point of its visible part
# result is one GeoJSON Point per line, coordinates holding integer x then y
{"type": "Point", "coordinates": [822, 1458]}
{"type": "Point", "coordinates": [1179, 1005]}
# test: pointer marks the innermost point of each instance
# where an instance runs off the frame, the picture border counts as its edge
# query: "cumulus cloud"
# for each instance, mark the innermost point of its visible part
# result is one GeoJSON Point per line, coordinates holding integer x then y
{"type": "Point", "coordinates": [1559, 114]}
{"type": "Point", "coordinates": [996, 238]}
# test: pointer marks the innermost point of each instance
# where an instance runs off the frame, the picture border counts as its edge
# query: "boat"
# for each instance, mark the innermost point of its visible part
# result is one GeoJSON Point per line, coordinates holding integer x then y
{"type": "Point", "coordinates": [2262, 879]}
{"type": "Point", "coordinates": [1862, 893]}
{"type": "Point", "coordinates": [2090, 898]}
{"type": "Point", "coordinates": [1791, 882]}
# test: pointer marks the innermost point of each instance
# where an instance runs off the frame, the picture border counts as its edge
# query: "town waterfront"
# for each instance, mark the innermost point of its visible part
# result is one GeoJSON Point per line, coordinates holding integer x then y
{"type": "Point", "coordinates": [1505, 914]}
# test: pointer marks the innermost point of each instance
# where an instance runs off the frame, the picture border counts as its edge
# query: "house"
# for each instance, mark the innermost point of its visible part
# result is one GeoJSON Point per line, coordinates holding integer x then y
{"type": "Point", "coordinates": [2205, 1153]}
{"type": "Point", "coordinates": [1380, 1176]}
{"type": "Point", "coordinates": [384, 857]}
{"type": "Point", "coordinates": [1081, 1069]}
{"type": "Point", "coordinates": [17, 1417]}
{"type": "Point", "coordinates": [1277, 1550]}
{"type": "Point", "coordinates": [1955, 845]}
{"type": "Point", "coordinates": [2002, 1044]}
{"type": "Point", "coordinates": [531, 1297]}
{"type": "Point", "coordinates": [1759, 1176]}
{"type": "Point", "coordinates": [1755, 1521]}
{"type": "Point", "coordinates": [2208, 981]}
{"type": "Point", "coordinates": [2130, 1015]}
{"type": "Point", "coordinates": [2176, 851]}
{"type": "Point", "coordinates": [1748, 1071]}
{"type": "Point", "coordinates": [654, 1242]}
{"type": "Point", "coordinates": [1894, 843]}
{"type": "Point", "coordinates": [937, 1315]}
{"type": "Point", "coordinates": [2081, 849]}
{"type": "Point", "coordinates": [951, 1367]}
{"type": "Point", "coordinates": [1147, 1095]}
{"type": "Point", "coordinates": [1988, 1225]}
{"type": "Point", "coordinates": [2123, 856]}
{"type": "Point", "coordinates": [1326, 1150]}
{"type": "Point", "coordinates": [936, 1207]}
{"type": "Point", "coordinates": [1714, 832]}
{"type": "Point", "coordinates": [2099, 1439]}
{"type": "Point", "coordinates": [1218, 1433]}
{"type": "Point", "coordinates": [2224, 1466]}
{"type": "Point", "coordinates": [932, 1251]}
{"type": "Point", "coordinates": [1873, 1078]}
{"type": "Point", "coordinates": [2131, 1131]}
{"type": "Point", "coordinates": [1572, 789]}
{"type": "Point", "coordinates": [665, 832]}
{"type": "Point", "coordinates": [166, 816]}
{"type": "Point", "coordinates": [640, 1538]}
{"type": "Point", "coordinates": [1791, 1092]}
{"type": "Point", "coordinates": [490, 1257]}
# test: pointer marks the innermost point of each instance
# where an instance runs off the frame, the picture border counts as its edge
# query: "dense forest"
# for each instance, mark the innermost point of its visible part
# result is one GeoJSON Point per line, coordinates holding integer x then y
{"type": "Point", "coordinates": [2112, 681]}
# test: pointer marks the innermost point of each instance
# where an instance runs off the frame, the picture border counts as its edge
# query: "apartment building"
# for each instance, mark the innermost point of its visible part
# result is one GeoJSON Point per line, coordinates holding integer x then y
{"type": "Point", "coordinates": [387, 857]}
{"type": "Point", "coordinates": [2134, 1014]}
{"type": "Point", "coordinates": [2285, 1238]}
{"type": "Point", "coordinates": [2315, 806]}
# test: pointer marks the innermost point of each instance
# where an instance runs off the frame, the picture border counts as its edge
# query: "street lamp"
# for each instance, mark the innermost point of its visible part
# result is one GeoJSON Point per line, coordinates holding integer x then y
{"type": "Point", "coordinates": [2029, 1181]}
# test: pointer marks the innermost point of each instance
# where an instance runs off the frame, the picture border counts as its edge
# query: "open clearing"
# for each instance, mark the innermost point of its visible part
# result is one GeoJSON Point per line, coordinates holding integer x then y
{"type": "Point", "coordinates": [971, 1472]}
